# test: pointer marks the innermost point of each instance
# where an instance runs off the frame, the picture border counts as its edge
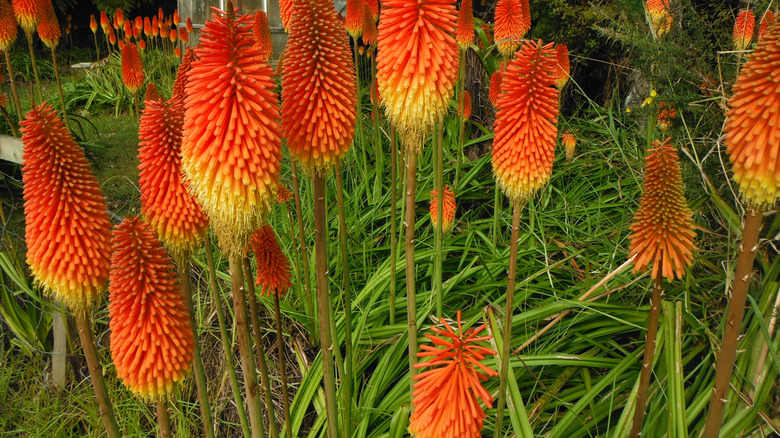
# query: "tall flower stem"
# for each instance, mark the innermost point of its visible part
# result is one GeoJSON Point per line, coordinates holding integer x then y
{"type": "Point", "coordinates": [15, 94]}
{"type": "Point", "coordinates": [162, 418]}
{"type": "Point", "coordinates": [358, 141]}
{"type": "Point", "coordinates": [34, 67]}
{"type": "Point", "coordinates": [496, 211]}
{"type": "Point", "coordinates": [733, 323]}
{"type": "Point", "coordinates": [197, 361]}
{"type": "Point", "coordinates": [226, 342]}
{"type": "Point", "coordinates": [95, 372]}
{"type": "Point", "coordinates": [411, 303]}
{"type": "Point", "coordinates": [393, 218]}
{"type": "Point", "coordinates": [302, 241]}
{"type": "Point", "coordinates": [461, 80]}
{"type": "Point", "coordinates": [647, 362]}
{"type": "Point", "coordinates": [97, 49]}
{"type": "Point", "coordinates": [264, 380]}
{"type": "Point", "coordinates": [323, 302]}
{"type": "Point", "coordinates": [347, 384]}
{"type": "Point", "coordinates": [282, 366]}
{"type": "Point", "coordinates": [510, 305]}
{"type": "Point", "coordinates": [437, 259]}
{"type": "Point", "coordinates": [296, 256]}
{"type": "Point", "coordinates": [59, 88]}
{"type": "Point", "coordinates": [379, 159]}
{"type": "Point", "coordinates": [245, 346]}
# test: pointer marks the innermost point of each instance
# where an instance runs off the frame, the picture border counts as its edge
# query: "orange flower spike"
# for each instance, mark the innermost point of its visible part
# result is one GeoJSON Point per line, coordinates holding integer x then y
{"type": "Point", "coordinates": [183, 35]}
{"type": "Point", "coordinates": [68, 232]}
{"type": "Point", "coordinates": [666, 116]}
{"type": "Point", "coordinates": [285, 12]}
{"type": "Point", "coordinates": [526, 118]}
{"type": "Point", "coordinates": [744, 26]}
{"type": "Point", "coordinates": [151, 337]}
{"type": "Point", "coordinates": [49, 28]}
{"type": "Point", "coordinates": [262, 35]}
{"type": "Point", "coordinates": [659, 17]}
{"type": "Point", "coordinates": [147, 27]}
{"type": "Point", "coordinates": [176, 17]}
{"type": "Point", "coordinates": [119, 19]}
{"type": "Point", "coordinates": [165, 201]}
{"type": "Point", "coordinates": [662, 230]}
{"type": "Point", "coordinates": [111, 35]}
{"type": "Point", "coordinates": [445, 397]}
{"type": "Point", "coordinates": [160, 15]}
{"type": "Point", "coordinates": [417, 65]}
{"type": "Point", "coordinates": [448, 214]}
{"type": "Point", "coordinates": [354, 21]}
{"type": "Point", "coordinates": [562, 69]}
{"type": "Point", "coordinates": [766, 21]}
{"type": "Point", "coordinates": [370, 32]}
{"type": "Point", "coordinates": [753, 125]}
{"type": "Point", "coordinates": [373, 7]}
{"type": "Point", "coordinates": [180, 83]}
{"type": "Point", "coordinates": [273, 267]}
{"type": "Point", "coordinates": [464, 109]}
{"type": "Point", "coordinates": [93, 26]}
{"type": "Point", "coordinates": [283, 194]}
{"type": "Point", "coordinates": [318, 87]}
{"type": "Point", "coordinates": [142, 45]}
{"type": "Point", "coordinates": [8, 26]}
{"type": "Point", "coordinates": [127, 29]}
{"type": "Point", "coordinates": [513, 21]}
{"type": "Point", "coordinates": [155, 27]}
{"type": "Point", "coordinates": [137, 34]}
{"type": "Point", "coordinates": [173, 35]}
{"type": "Point", "coordinates": [152, 93]}
{"type": "Point", "coordinates": [104, 22]}
{"type": "Point", "coordinates": [569, 142]}
{"type": "Point", "coordinates": [165, 30]}
{"type": "Point", "coordinates": [465, 32]}
{"type": "Point", "coordinates": [495, 86]}
{"type": "Point", "coordinates": [231, 151]}
{"type": "Point", "coordinates": [189, 25]}
{"type": "Point", "coordinates": [28, 14]}
{"type": "Point", "coordinates": [132, 68]}
{"type": "Point", "coordinates": [138, 24]}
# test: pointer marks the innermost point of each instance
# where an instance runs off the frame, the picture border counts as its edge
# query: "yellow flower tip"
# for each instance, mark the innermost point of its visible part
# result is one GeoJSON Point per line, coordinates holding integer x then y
{"type": "Point", "coordinates": [659, 18]}
{"type": "Point", "coordinates": [751, 130]}
{"type": "Point", "coordinates": [231, 146]}
{"type": "Point", "coordinates": [448, 214]}
{"type": "Point", "coordinates": [744, 27]}
{"type": "Point", "coordinates": [417, 66]}
{"type": "Point", "coordinates": [569, 142]}
{"type": "Point", "coordinates": [526, 119]}
{"type": "Point", "coordinates": [662, 230]}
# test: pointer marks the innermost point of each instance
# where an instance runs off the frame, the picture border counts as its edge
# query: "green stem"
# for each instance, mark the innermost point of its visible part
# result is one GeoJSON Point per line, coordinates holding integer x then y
{"type": "Point", "coordinates": [97, 49]}
{"type": "Point", "coordinates": [11, 79]}
{"type": "Point", "coordinates": [59, 88]}
{"type": "Point", "coordinates": [304, 256]}
{"type": "Point", "coordinates": [264, 380]}
{"type": "Point", "coordinates": [378, 157]}
{"type": "Point", "coordinates": [411, 303]}
{"type": "Point", "coordinates": [460, 94]}
{"type": "Point", "coordinates": [733, 322]}
{"type": "Point", "coordinates": [510, 297]}
{"type": "Point", "coordinates": [438, 237]}
{"type": "Point", "coordinates": [34, 67]}
{"type": "Point", "coordinates": [282, 366]}
{"type": "Point", "coordinates": [226, 342]}
{"type": "Point", "coordinates": [496, 212]}
{"type": "Point", "coordinates": [197, 361]}
{"type": "Point", "coordinates": [647, 362]}
{"type": "Point", "coordinates": [358, 141]}
{"type": "Point", "coordinates": [393, 219]}
{"type": "Point", "coordinates": [347, 384]}
{"type": "Point", "coordinates": [323, 302]}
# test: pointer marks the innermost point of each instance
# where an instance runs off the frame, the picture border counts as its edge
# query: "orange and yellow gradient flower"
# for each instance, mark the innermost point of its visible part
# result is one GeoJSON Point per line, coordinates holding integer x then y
{"type": "Point", "coordinates": [262, 35]}
{"type": "Point", "coordinates": [68, 232]}
{"type": "Point", "coordinates": [448, 214]}
{"type": "Point", "coordinates": [767, 20]}
{"type": "Point", "coordinates": [273, 267]}
{"type": "Point", "coordinates": [569, 142]}
{"type": "Point", "coordinates": [662, 230]}
{"type": "Point", "coordinates": [465, 33]}
{"type": "Point", "coordinates": [28, 14]}
{"type": "Point", "coordinates": [659, 18]}
{"type": "Point", "coordinates": [562, 69]}
{"type": "Point", "coordinates": [513, 21]}
{"type": "Point", "coordinates": [152, 343]}
{"type": "Point", "coordinates": [744, 27]}
{"type": "Point", "coordinates": [49, 28]}
{"type": "Point", "coordinates": [132, 68]}
{"type": "Point", "coordinates": [8, 26]}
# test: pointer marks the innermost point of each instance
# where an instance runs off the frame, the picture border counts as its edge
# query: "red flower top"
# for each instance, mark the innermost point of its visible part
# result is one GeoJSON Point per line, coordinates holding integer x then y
{"type": "Point", "coordinates": [370, 32]}
{"type": "Point", "coordinates": [92, 23]}
{"type": "Point", "coordinates": [373, 7]}
{"type": "Point", "coordinates": [445, 397]}
{"type": "Point", "coordinates": [318, 87]}
{"type": "Point", "coordinates": [67, 231]}
{"type": "Point", "coordinates": [752, 126]}
{"type": "Point", "coordinates": [525, 128]}
{"type": "Point", "coordinates": [49, 28]}
{"type": "Point", "coordinates": [513, 21]}
{"type": "Point", "coordinates": [354, 21]}
{"type": "Point", "coordinates": [262, 34]}
{"type": "Point", "coordinates": [104, 22]}
{"type": "Point", "coordinates": [658, 17]}
{"type": "Point", "coordinates": [152, 93]}
{"type": "Point", "coordinates": [766, 21]}
{"type": "Point", "coordinates": [189, 25]}
{"type": "Point", "coordinates": [464, 109]}
{"type": "Point", "coordinates": [744, 27]}
{"type": "Point", "coordinates": [273, 267]}
{"type": "Point", "coordinates": [465, 32]}
{"type": "Point", "coordinates": [448, 214]}
{"type": "Point", "coordinates": [562, 69]}
{"type": "Point", "coordinates": [283, 194]}
{"type": "Point", "coordinates": [495, 86]}
{"type": "Point", "coordinates": [151, 337]}
{"type": "Point", "coordinates": [180, 83]}
{"type": "Point", "coordinates": [231, 150]}
{"type": "Point", "coordinates": [417, 65]}
{"type": "Point", "coordinates": [132, 68]}
{"type": "Point", "coordinates": [662, 230]}
{"type": "Point", "coordinates": [28, 14]}
{"type": "Point", "coordinates": [285, 11]}
{"type": "Point", "coordinates": [8, 27]}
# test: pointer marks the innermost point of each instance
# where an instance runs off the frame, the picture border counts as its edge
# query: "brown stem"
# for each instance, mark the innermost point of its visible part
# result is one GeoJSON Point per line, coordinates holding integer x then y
{"type": "Point", "coordinates": [245, 346]}
{"type": "Point", "coordinates": [282, 366]}
{"type": "Point", "coordinates": [59, 88]}
{"type": "Point", "coordinates": [13, 86]}
{"type": "Point", "coordinates": [96, 373]}
{"type": "Point", "coordinates": [411, 303]}
{"type": "Point", "coordinates": [302, 241]}
{"type": "Point", "coordinates": [323, 302]}
{"type": "Point", "coordinates": [269, 404]}
{"type": "Point", "coordinates": [647, 362]}
{"type": "Point", "coordinates": [97, 50]}
{"type": "Point", "coordinates": [197, 361]}
{"type": "Point", "coordinates": [59, 368]}
{"type": "Point", "coordinates": [510, 305]}
{"type": "Point", "coordinates": [162, 418]}
{"type": "Point", "coordinates": [34, 67]}
{"type": "Point", "coordinates": [736, 311]}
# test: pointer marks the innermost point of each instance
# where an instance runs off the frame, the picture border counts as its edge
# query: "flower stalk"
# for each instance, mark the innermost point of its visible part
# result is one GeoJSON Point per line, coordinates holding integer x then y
{"type": "Point", "coordinates": [647, 361]}
{"type": "Point", "coordinates": [347, 384]}
{"type": "Point", "coordinates": [96, 374]}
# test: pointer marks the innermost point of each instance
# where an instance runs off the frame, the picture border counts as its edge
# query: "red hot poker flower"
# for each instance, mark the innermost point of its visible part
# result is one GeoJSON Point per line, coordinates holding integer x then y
{"type": "Point", "coordinates": [152, 93]}
{"type": "Point", "coordinates": [151, 337]}
{"type": "Point", "coordinates": [68, 232]}
{"type": "Point", "coordinates": [448, 214]}
{"type": "Point", "coordinates": [283, 194]}
{"type": "Point", "coordinates": [562, 69]}
{"type": "Point", "coordinates": [318, 87]}
{"type": "Point", "coordinates": [49, 28]}
{"type": "Point", "coordinates": [513, 21]}
{"type": "Point", "coordinates": [231, 150]}
{"type": "Point", "coordinates": [273, 267]}
{"type": "Point", "coordinates": [370, 32]}
{"type": "Point", "coordinates": [262, 34]}
{"type": "Point", "coordinates": [495, 86]}
{"type": "Point", "coordinates": [28, 14]}
{"type": "Point", "coordinates": [569, 142]}
{"type": "Point", "coordinates": [285, 11]}
{"type": "Point", "coordinates": [132, 68]}
{"type": "Point", "coordinates": [525, 133]}
{"type": "Point", "coordinates": [464, 109]}
{"type": "Point", "coordinates": [766, 21]}
{"type": "Point", "coordinates": [8, 27]}
{"type": "Point", "coordinates": [662, 230]}
{"type": "Point", "coordinates": [658, 17]}
{"type": "Point", "coordinates": [92, 23]}
{"type": "Point", "coordinates": [465, 32]}
{"type": "Point", "coordinates": [744, 27]}
{"type": "Point", "coordinates": [354, 21]}
{"type": "Point", "coordinates": [445, 398]}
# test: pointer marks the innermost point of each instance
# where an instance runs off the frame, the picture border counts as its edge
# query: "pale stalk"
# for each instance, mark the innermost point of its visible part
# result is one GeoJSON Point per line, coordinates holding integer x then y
{"type": "Point", "coordinates": [34, 67]}
{"type": "Point", "coordinates": [59, 88]}
{"type": "Point", "coordinates": [460, 94]}
{"type": "Point", "coordinates": [379, 163]}
{"type": "Point", "coordinates": [411, 304]}
{"type": "Point", "coordinates": [302, 241]}
{"type": "Point", "coordinates": [358, 140]}
{"type": "Point", "coordinates": [162, 418]}
{"type": "Point", "coordinates": [96, 373]}
{"type": "Point", "coordinates": [296, 256]}
{"type": "Point", "coordinates": [647, 362]}
{"type": "Point", "coordinates": [226, 342]}
{"type": "Point", "coordinates": [197, 361]}
{"type": "Point", "coordinates": [97, 50]}
{"type": "Point", "coordinates": [11, 79]}
{"type": "Point", "coordinates": [438, 164]}
{"type": "Point", "coordinates": [733, 323]}
{"type": "Point", "coordinates": [264, 380]}
{"type": "Point", "coordinates": [393, 219]}
{"type": "Point", "coordinates": [282, 366]}
{"type": "Point", "coordinates": [323, 303]}
{"type": "Point", "coordinates": [346, 389]}
{"type": "Point", "coordinates": [510, 297]}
